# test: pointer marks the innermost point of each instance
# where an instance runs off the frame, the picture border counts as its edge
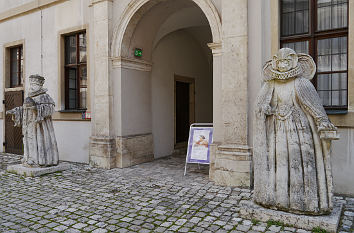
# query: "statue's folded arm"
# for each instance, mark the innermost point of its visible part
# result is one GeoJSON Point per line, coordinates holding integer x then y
{"type": "Point", "coordinates": [309, 98]}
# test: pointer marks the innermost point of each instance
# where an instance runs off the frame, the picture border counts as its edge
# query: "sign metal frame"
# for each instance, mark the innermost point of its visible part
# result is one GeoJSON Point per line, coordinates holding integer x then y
{"type": "Point", "coordinates": [192, 128]}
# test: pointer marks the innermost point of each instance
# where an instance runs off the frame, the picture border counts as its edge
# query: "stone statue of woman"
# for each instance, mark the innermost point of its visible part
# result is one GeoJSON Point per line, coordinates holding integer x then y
{"type": "Point", "coordinates": [292, 139]}
{"type": "Point", "coordinates": [35, 116]}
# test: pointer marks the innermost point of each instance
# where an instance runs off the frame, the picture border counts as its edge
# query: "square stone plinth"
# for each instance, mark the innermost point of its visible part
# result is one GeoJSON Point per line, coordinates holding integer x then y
{"type": "Point", "coordinates": [330, 222]}
{"type": "Point", "coordinates": [36, 171]}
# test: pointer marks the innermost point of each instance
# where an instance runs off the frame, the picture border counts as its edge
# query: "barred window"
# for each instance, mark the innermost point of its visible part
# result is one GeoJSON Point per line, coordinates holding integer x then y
{"type": "Point", "coordinates": [75, 71]}
{"type": "Point", "coordinates": [320, 28]}
{"type": "Point", "coordinates": [16, 66]}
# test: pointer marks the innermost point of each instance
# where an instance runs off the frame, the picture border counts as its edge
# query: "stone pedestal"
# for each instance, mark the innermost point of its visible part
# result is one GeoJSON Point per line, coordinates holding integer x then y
{"type": "Point", "coordinates": [231, 165]}
{"type": "Point", "coordinates": [19, 169]}
{"type": "Point", "coordinates": [250, 210]}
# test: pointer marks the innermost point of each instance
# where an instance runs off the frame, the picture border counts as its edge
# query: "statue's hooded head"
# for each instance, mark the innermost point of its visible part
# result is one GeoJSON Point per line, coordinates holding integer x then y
{"type": "Point", "coordinates": [36, 83]}
{"type": "Point", "coordinates": [287, 64]}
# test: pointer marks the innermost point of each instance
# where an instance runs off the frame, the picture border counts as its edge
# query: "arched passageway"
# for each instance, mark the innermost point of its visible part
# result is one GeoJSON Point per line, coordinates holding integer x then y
{"type": "Point", "coordinates": [158, 94]}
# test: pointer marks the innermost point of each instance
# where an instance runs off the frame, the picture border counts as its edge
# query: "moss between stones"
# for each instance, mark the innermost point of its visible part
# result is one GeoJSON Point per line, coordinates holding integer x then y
{"type": "Point", "coordinates": [255, 221]}
{"type": "Point", "coordinates": [318, 230]}
{"type": "Point", "coordinates": [277, 223]}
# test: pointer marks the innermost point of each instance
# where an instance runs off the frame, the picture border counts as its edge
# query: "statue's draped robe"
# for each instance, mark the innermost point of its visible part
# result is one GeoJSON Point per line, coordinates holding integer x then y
{"type": "Point", "coordinates": [289, 157]}
{"type": "Point", "coordinates": [40, 146]}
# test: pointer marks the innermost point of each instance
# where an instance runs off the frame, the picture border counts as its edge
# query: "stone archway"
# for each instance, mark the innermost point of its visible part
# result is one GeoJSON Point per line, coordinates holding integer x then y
{"type": "Point", "coordinates": [126, 69]}
{"type": "Point", "coordinates": [133, 13]}
{"type": "Point", "coordinates": [111, 144]}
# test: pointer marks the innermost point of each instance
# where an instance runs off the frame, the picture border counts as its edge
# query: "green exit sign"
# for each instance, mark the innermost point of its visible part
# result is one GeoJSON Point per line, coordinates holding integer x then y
{"type": "Point", "coordinates": [138, 52]}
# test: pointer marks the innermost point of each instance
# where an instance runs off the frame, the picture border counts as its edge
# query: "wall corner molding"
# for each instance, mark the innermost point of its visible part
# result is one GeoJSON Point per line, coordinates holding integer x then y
{"type": "Point", "coordinates": [131, 63]}
{"type": "Point", "coordinates": [216, 48]}
{"type": "Point", "coordinates": [93, 2]}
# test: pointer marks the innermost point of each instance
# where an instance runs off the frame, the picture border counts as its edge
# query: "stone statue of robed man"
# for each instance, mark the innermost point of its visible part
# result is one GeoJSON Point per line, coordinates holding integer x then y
{"type": "Point", "coordinates": [292, 141]}
{"type": "Point", "coordinates": [35, 116]}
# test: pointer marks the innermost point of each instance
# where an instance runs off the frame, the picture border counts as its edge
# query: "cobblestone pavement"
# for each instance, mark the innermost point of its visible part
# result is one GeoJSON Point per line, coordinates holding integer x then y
{"type": "Point", "coordinates": [151, 197]}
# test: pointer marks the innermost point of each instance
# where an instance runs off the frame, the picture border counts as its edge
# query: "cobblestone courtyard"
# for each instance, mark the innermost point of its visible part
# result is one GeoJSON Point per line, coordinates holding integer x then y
{"type": "Point", "coordinates": [151, 197]}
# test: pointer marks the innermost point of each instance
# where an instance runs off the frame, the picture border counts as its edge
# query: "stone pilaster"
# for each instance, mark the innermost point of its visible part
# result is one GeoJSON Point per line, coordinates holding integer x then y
{"type": "Point", "coordinates": [218, 133]}
{"type": "Point", "coordinates": [102, 144]}
{"type": "Point", "coordinates": [234, 71]}
{"type": "Point", "coordinates": [231, 154]}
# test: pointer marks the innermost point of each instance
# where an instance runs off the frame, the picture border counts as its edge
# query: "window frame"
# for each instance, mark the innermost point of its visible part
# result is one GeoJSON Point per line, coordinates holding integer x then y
{"type": "Point", "coordinates": [77, 66]}
{"type": "Point", "coordinates": [19, 64]}
{"type": "Point", "coordinates": [313, 36]}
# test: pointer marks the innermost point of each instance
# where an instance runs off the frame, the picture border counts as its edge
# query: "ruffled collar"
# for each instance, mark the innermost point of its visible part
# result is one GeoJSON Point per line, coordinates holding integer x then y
{"type": "Point", "coordinates": [39, 92]}
{"type": "Point", "coordinates": [277, 75]}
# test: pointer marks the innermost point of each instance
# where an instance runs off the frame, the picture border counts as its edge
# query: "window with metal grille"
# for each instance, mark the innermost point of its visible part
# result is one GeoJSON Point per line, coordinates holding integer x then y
{"type": "Point", "coordinates": [16, 66]}
{"type": "Point", "coordinates": [320, 28]}
{"type": "Point", "coordinates": [75, 71]}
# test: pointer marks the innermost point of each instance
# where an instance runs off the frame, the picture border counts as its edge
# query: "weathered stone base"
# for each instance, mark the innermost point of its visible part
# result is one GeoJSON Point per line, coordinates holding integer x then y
{"type": "Point", "coordinates": [132, 150]}
{"type": "Point", "coordinates": [230, 165]}
{"type": "Point", "coordinates": [250, 210]}
{"type": "Point", "coordinates": [102, 152]}
{"type": "Point", "coordinates": [36, 171]}
{"type": "Point", "coordinates": [108, 153]}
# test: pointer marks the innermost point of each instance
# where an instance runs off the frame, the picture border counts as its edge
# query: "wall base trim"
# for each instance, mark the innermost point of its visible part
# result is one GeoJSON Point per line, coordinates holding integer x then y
{"type": "Point", "coordinates": [132, 150]}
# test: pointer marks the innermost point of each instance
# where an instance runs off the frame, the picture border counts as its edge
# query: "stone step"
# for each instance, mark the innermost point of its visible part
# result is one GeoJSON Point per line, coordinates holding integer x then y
{"type": "Point", "coordinates": [234, 155]}
{"type": "Point", "coordinates": [234, 148]}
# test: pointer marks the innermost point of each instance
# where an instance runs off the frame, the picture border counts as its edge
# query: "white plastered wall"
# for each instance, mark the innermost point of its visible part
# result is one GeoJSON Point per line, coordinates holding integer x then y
{"type": "Point", "coordinates": [177, 53]}
{"type": "Point", "coordinates": [72, 139]}
{"type": "Point", "coordinates": [343, 162]}
{"type": "Point", "coordinates": [31, 28]}
{"type": "Point", "coordinates": [9, 4]}
{"type": "Point", "coordinates": [136, 102]}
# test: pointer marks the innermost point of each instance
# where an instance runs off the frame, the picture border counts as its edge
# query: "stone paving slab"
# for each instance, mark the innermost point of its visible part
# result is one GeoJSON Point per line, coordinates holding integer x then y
{"type": "Point", "coordinates": [19, 169]}
{"type": "Point", "coordinates": [151, 197]}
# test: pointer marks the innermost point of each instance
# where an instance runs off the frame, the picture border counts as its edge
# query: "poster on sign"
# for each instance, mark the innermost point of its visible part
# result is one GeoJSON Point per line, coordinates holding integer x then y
{"type": "Point", "coordinates": [199, 142]}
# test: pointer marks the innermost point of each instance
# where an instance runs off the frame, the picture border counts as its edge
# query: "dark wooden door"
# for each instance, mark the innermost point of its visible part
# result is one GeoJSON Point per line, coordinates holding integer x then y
{"type": "Point", "coordinates": [182, 111]}
{"type": "Point", "coordinates": [13, 135]}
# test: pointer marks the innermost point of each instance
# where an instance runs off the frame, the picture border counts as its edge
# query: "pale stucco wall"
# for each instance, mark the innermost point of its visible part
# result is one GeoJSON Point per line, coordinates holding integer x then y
{"type": "Point", "coordinates": [136, 102]}
{"type": "Point", "coordinates": [177, 53]}
{"type": "Point", "coordinates": [73, 140]}
{"type": "Point", "coordinates": [9, 4]}
{"type": "Point", "coordinates": [343, 162]}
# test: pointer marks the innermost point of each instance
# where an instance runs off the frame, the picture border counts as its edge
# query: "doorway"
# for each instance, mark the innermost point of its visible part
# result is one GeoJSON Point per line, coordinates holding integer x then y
{"type": "Point", "coordinates": [13, 135]}
{"type": "Point", "coordinates": [184, 109]}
